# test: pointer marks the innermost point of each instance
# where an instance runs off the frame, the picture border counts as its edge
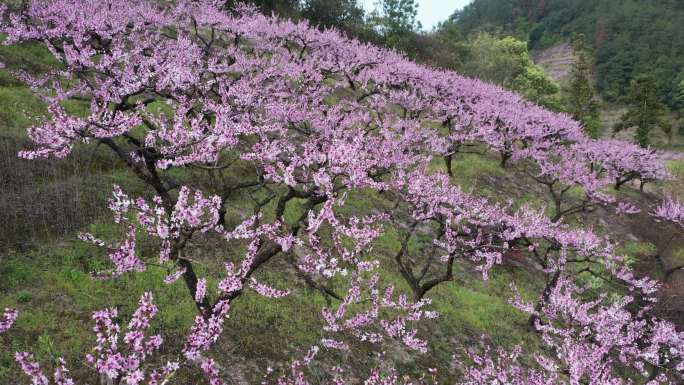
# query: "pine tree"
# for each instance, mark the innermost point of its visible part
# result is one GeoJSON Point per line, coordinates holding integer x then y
{"type": "Point", "coordinates": [645, 110]}
{"type": "Point", "coordinates": [581, 102]}
{"type": "Point", "coordinates": [345, 15]}
{"type": "Point", "coordinates": [397, 20]}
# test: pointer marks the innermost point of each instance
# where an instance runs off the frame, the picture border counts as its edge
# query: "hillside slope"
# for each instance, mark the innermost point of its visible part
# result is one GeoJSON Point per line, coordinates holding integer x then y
{"type": "Point", "coordinates": [630, 37]}
{"type": "Point", "coordinates": [44, 269]}
{"type": "Point", "coordinates": [47, 273]}
{"type": "Point", "coordinates": [556, 61]}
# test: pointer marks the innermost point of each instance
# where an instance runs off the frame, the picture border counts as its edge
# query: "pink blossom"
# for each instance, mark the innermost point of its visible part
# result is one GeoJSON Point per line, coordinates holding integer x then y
{"type": "Point", "coordinates": [670, 210]}
{"type": "Point", "coordinates": [8, 319]}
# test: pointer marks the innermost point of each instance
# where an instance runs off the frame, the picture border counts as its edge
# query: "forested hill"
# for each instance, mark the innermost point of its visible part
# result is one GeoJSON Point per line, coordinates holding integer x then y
{"type": "Point", "coordinates": [630, 37]}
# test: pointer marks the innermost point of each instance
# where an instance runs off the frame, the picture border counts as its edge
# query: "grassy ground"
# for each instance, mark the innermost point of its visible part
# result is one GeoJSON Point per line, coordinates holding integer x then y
{"type": "Point", "coordinates": [52, 288]}
{"type": "Point", "coordinates": [55, 294]}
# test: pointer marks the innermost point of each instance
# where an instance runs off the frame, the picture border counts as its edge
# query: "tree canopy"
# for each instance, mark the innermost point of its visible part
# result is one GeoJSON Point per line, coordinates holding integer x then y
{"type": "Point", "coordinates": [506, 61]}
{"type": "Point", "coordinates": [581, 99]}
{"type": "Point", "coordinates": [645, 112]}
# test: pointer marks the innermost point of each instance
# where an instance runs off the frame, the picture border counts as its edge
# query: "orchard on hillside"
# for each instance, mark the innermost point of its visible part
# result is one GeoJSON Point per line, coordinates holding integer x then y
{"type": "Point", "coordinates": [187, 93]}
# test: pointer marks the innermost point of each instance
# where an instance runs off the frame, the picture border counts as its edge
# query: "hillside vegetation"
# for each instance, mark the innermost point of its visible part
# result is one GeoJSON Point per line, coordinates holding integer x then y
{"type": "Point", "coordinates": [629, 37]}
{"type": "Point", "coordinates": [326, 155]}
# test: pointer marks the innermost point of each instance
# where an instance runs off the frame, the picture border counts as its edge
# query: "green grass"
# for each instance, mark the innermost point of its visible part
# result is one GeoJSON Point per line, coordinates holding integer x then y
{"type": "Point", "coordinates": [55, 294]}
{"type": "Point", "coordinates": [20, 110]}
{"type": "Point", "coordinates": [635, 249]}
{"type": "Point", "coordinates": [276, 328]}
{"type": "Point", "coordinates": [469, 169]}
{"type": "Point", "coordinates": [531, 200]}
{"type": "Point", "coordinates": [33, 58]}
{"type": "Point", "coordinates": [676, 185]}
{"type": "Point", "coordinates": [475, 308]}
{"type": "Point", "coordinates": [677, 257]}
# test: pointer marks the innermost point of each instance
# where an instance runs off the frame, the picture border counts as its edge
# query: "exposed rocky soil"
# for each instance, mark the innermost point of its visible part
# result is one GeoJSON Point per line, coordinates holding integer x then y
{"type": "Point", "coordinates": [556, 61]}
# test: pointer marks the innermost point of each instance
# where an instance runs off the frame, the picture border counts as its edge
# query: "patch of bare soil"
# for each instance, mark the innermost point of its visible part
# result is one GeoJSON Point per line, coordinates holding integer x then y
{"type": "Point", "coordinates": [556, 61]}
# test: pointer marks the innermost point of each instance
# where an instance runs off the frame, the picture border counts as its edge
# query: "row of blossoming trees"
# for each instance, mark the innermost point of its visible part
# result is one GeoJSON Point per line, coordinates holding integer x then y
{"type": "Point", "coordinates": [315, 117]}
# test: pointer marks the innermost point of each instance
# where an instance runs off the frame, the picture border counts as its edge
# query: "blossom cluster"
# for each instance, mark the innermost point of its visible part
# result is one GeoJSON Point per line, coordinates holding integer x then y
{"type": "Point", "coordinates": [670, 210]}
{"type": "Point", "coordinates": [108, 359]}
{"type": "Point", "coordinates": [8, 319]}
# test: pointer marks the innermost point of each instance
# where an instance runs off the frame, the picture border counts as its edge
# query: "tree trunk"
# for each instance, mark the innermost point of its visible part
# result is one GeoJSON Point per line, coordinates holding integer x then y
{"type": "Point", "coordinates": [448, 160]}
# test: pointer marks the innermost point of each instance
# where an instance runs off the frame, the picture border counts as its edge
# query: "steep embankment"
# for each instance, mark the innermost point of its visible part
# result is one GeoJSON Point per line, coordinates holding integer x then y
{"type": "Point", "coordinates": [556, 61]}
